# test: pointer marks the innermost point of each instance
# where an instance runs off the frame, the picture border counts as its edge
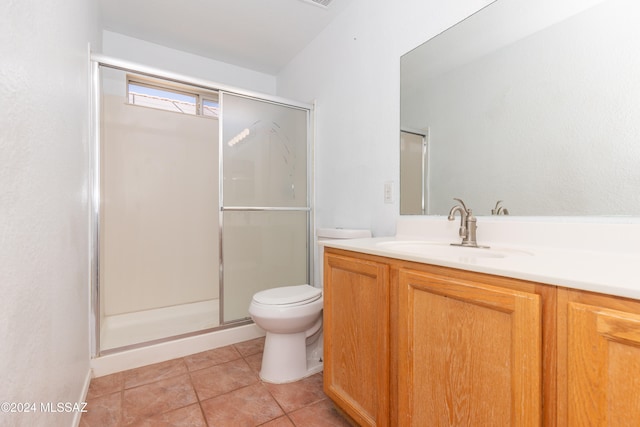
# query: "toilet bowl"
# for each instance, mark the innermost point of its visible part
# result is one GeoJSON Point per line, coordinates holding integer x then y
{"type": "Point", "coordinates": [292, 319]}
{"type": "Point", "coordinates": [291, 316]}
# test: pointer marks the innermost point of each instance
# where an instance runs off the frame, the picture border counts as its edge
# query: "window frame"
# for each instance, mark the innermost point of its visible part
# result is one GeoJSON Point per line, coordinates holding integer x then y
{"type": "Point", "coordinates": [166, 86]}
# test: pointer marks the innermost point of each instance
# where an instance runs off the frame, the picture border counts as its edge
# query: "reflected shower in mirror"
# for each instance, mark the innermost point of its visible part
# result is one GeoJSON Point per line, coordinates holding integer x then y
{"type": "Point", "coordinates": [533, 103]}
{"type": "Point", "coordinates": [413, 172]}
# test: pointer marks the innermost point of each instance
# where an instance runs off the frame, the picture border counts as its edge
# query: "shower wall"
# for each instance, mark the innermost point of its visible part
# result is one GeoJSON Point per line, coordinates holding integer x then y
{"type": "Point", "coordinates": [159, 217]}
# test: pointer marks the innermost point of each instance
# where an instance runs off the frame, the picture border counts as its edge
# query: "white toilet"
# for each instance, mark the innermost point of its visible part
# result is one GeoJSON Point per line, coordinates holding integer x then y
{"type": "Point", "coordinates": [292, 319]}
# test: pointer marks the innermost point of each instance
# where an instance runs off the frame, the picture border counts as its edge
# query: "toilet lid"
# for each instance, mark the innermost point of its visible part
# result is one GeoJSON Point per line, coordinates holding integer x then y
{"type": "Point", "coordinates": [287, 295]}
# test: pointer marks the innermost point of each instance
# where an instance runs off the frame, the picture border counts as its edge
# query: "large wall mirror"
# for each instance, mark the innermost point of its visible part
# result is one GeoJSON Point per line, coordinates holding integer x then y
{"type": "Point", "coordinates": [536, 104]}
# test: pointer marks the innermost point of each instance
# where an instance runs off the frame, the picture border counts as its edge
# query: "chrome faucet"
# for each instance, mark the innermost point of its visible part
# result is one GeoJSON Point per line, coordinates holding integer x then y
{"type": "Point", "coordinates": [468, 225]}
{"type": "Point", "coordinates": [499, 210]}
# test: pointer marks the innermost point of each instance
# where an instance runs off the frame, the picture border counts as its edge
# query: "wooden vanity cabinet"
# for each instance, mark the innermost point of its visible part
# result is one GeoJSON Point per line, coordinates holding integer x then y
{"type": "Point", "coordinates": [599, 359]}
{"type": "Point", "coordinates": [356, 337]}
{"type": "Point", "coordinates": [410, 344]}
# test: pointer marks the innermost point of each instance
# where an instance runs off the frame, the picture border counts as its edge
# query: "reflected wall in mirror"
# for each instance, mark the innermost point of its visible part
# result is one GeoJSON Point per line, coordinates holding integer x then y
{"type": "Point", "coordinates": [533, 103]}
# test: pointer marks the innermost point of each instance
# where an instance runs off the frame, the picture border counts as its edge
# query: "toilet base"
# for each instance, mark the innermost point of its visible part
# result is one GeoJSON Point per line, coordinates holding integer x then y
{"type": "Point", "coordinates": [287, 358]}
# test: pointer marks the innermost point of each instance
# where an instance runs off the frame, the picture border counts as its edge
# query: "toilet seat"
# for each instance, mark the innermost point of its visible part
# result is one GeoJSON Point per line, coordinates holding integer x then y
{"type": "Point", "coordinates": [288, 296]}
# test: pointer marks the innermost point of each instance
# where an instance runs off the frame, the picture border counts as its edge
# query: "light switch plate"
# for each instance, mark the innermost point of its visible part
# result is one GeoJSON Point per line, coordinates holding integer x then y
{"type": "Point", "coordinates": [388, 192]}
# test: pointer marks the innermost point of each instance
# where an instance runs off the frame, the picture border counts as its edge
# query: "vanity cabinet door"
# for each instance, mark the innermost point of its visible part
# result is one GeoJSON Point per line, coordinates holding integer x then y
{"type": "Point", "coordinates": [469, 353]}
{"type": "Point", "coordinates": [356, 337]}
{"type": "Point", "coordinates": [602, 360]}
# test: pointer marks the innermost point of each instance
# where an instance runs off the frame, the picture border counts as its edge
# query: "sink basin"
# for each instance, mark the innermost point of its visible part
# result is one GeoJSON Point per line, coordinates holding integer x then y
{"type": "Point", "coordinates": [446, 250]}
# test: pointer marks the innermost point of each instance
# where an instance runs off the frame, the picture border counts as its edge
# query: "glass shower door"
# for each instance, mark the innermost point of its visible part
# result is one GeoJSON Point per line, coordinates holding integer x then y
{"type": "Point", "coordinates": [265, 200]}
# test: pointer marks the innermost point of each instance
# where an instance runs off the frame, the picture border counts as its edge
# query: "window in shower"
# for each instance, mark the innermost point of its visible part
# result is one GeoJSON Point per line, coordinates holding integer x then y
{"type": "Point", "coordinates": [172, 97]}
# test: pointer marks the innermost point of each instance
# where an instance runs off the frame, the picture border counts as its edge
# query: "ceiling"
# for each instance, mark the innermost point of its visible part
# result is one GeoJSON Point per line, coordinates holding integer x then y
{"type": "Point", "coordinates": [262, 35]}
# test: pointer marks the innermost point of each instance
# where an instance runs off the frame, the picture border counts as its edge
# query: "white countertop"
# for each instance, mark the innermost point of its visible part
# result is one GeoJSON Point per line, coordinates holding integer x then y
{"type": "Point", "coordinates": [608, 272]}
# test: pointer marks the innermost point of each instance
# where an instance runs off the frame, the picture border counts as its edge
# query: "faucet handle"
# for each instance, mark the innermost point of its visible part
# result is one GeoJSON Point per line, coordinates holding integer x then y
{"type": "Point", "coordinates": [462, 203]}
{"type": "Point", "coordinates": [499, 209]}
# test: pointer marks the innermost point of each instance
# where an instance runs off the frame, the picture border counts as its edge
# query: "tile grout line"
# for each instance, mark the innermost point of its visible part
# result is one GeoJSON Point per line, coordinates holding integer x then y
{"type": "Point", "coordinates": [121, 411]}
{"type": "Point", "coordinates": [198, 400]}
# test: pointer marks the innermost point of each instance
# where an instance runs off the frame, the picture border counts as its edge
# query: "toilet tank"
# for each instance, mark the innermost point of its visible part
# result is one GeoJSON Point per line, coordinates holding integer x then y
{"type": "Point", "coordinates": [342, 233]}
{"type": "Point", "coordinates": [324, 234]}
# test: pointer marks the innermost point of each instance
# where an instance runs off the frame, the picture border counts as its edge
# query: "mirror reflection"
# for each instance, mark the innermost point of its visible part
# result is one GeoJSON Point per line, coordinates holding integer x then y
{"type": "Point", "coordinates": [538, 108]}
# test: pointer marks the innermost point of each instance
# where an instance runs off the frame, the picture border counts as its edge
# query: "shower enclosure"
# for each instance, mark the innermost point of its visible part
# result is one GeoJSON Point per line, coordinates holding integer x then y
{"type": "Point", "coordinates": [201, 198]}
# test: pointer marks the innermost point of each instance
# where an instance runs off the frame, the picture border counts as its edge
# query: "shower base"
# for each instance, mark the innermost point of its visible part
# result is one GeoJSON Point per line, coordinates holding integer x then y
{"type": "Point", "coordinates": [133, 328]}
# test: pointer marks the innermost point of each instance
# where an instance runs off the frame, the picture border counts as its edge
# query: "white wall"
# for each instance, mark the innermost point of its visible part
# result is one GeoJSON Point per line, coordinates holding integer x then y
{"type": "Point", "coordinates": [154, 55]}
{"type": "Point", "coordinates": [352, 70]}
{"type": "Point", "coordinates": [44, 266]}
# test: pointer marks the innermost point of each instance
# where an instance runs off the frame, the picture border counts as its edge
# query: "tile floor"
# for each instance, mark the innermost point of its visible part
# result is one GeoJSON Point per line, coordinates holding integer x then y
{"type": "Point", "coordinates": [216, 388]}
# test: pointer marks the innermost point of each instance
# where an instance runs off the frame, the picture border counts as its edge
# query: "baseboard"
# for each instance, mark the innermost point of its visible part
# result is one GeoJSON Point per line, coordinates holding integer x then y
{"type": "Point", "coordinates": [82, 398]}
{"type": "Point", "coordinates": [161, 352]}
